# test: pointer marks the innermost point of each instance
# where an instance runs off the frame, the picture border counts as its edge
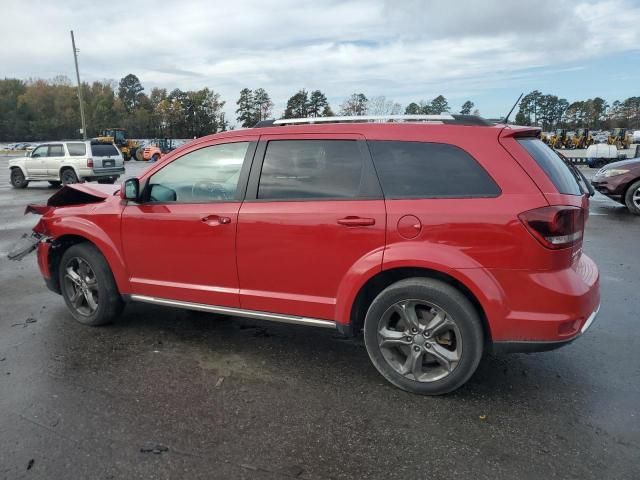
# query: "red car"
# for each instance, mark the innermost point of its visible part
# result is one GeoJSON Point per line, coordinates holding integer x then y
{"type": "Point", "coordinates": [440, 237]}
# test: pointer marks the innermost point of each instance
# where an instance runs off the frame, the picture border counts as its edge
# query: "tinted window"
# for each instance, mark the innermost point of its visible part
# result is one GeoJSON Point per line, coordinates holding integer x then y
{"type": "Point", "coordinates": [299, 169]}
{"type": "Point", "coordinates": [557, 171]}
{"type": "Point", "coordinates": [427, 170]}
{"type": "Point", "coordinates": [204, 175]}
{"type": "Point", "coordinates": [77, 149]}
{"type": "Point", "coordinates": [104, 150]}
{"type": "Point", "coordinates": [56, 151]}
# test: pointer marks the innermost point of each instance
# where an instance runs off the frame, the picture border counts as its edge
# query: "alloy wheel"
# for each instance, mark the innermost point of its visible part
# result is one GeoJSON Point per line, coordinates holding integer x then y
{"type": "Point", "coordinates": [636, 198]}
{"type": "Point", "coordinates": [419, 340]}
{"type": "Point", "coordinates": [81, 286]}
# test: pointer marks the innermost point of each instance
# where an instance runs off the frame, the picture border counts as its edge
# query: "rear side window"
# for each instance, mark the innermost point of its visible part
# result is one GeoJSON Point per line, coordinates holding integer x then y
{"type": "Point", "coordinates": [429, 170]}
{"type": "Point", "coordinates": [557, 171]}
{"type": "Point", "coordinates": [304, 169]}
{"type": "Point", "coordinates": [56, 151]}
{"type": "Point", "coordinates": [104, 150]}
{"type": "Point", "coordinates": [77, 149]}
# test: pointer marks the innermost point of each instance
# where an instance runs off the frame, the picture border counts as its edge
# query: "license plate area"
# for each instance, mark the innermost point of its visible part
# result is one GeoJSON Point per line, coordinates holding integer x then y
{"type": "Point", "coordinates": [108, 163]}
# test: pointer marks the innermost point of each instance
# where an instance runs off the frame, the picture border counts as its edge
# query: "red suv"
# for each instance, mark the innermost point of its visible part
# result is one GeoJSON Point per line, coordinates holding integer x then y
{"type": "Point", "coordinates": [439, 236]}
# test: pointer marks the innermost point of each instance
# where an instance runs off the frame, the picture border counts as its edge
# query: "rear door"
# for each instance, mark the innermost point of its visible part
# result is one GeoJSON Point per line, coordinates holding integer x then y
{"type": "Point", "coordinates": [313, 211]}
{"type": "Point", "coordinates": [180, 242]}
{"type": "Point", "coordinates": [54, 159]}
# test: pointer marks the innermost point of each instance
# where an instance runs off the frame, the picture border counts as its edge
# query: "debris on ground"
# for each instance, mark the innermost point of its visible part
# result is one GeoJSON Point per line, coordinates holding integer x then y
{"type": "Point", "coordinates": [30, 464]}
{"type": "Point", "coordinates": [483, 418]}
{"type": "Point", "coordinates": [219, 382]}
{"type": "Point", "coordinates": [154, 448]}
{"type": "Point", "coordinates": [26, 322]}
{"type": "Point", "coordinates": [292, 471]}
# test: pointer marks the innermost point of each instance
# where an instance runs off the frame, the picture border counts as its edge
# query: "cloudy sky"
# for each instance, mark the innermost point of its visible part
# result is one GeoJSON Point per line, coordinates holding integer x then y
{"type": "Point", "coordinates": [484, 50]}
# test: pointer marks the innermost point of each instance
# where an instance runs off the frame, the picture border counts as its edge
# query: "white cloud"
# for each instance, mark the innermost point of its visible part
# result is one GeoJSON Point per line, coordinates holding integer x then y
{"type": "Point", "coordinates": [405, 50]}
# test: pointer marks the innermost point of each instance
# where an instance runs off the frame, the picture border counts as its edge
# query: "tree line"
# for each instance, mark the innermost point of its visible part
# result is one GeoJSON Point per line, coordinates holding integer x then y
{"type": "Point", "coordinates": [549, 112]}
{"type": "Point", "coordinates": [49, 109]}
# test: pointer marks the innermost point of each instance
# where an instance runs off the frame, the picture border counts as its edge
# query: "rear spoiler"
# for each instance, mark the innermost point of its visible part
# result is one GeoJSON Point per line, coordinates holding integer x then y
{"type": "Point", "coordinates": [516, 132]}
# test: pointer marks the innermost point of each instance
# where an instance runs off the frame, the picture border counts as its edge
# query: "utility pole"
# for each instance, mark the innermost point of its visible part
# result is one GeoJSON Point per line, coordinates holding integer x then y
{"type": "Point", "coordinates": [75, 58]}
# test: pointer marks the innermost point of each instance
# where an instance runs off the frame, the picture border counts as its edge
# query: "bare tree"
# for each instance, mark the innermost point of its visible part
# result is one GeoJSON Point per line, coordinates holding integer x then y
{"type": "Point", "coordinates": [381, 106]}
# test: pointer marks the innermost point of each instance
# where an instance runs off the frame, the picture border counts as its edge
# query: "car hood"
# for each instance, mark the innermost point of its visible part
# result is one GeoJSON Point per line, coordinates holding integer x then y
{"type": "Point", "coordinates": [76, 194]}
{"type": "Point", "coordinates": [630, 163]}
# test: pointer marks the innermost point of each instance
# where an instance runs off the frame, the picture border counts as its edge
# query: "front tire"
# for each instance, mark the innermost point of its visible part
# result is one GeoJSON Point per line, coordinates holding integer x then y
{"type": "Point", "coordinates": [424, 336]}
{"type": "Point", "coordinates": [632, 198]}
{"type": "Point", "coordinates": [17, 179]}
{"type": "Point", "coordinates": [88, 287]}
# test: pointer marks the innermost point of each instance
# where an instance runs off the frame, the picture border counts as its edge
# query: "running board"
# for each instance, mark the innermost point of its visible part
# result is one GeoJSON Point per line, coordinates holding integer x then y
{"type": "Point", "coordinates": [273, 317]}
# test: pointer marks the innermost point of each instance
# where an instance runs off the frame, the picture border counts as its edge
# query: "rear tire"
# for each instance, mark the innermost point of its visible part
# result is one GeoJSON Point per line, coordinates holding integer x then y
{"type": "Point", "coordinates": [632, 198]}
{"type": "Point", "coordinates": [17, 179]}
{"type": "Point", "coordinates": [87, 285]}
{"type": "Point", "coordinates": [443, 348]}
{"type": "Point", "coordinates": [68, 176]}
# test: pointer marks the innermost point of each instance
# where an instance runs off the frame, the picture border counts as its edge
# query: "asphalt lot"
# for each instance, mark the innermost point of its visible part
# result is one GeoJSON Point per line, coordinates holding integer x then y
{"type": "Point", "coordinates": [231, 398]}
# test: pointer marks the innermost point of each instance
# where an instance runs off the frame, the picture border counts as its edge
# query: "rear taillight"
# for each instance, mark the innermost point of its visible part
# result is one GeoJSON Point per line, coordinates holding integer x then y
{"type": "Point", "coordinates": [555, 227]}
{"type": "Point", "coordinates": [90, 162]}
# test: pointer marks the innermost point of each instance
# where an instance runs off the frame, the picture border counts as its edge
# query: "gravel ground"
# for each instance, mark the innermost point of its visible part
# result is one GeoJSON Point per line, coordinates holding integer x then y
{"type": "Point", "coordinates": [170, 394]}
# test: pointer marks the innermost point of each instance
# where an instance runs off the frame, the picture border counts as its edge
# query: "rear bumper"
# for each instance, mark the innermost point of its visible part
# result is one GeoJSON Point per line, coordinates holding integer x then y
{"type": "Point", "coordinates": [533, 346]}
{"type": "Point", "coordinates": [544, 310]}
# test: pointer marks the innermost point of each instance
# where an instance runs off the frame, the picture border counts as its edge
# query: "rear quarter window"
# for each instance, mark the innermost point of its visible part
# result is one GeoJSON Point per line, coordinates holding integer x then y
{"type": "Point", "coordinates": [551, 163]}
{"type": "Point", "coordinates": [77, 149]}
{"type": "Point", "coordinates": [104, 150]}
{"type": "Point", "coordinates": [429, 170]}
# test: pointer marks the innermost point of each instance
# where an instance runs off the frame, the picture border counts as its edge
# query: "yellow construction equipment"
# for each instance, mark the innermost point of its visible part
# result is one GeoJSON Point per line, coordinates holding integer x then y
{"type": "Point", "coordinates": [558, 139]}
{"type": "Point", "coordinates": [581, 139]}
{"type": "Point", "coordinates": [621, 138]}
{"type": "Point", "coordinates": [118, 136]}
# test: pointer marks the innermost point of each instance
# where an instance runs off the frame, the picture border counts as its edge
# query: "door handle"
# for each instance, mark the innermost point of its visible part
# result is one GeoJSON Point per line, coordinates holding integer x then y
{"type": "Point", "coordinates": [213, 220]}
{"type": "Point", "coordinates": [353, 221]}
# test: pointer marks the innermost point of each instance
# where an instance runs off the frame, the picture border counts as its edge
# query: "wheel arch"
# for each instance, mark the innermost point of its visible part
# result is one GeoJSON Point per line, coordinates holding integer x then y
{"type": "Point", "coordinates": [626, 189]}
{"type": "Point", "coordinates": [19, 167]}
{"type": "Point", "coordinates": [68, 167]}
{"type": "Point", "coordinates": [105, 246]}
{"type": "Point", "coordinates": [381, 280]}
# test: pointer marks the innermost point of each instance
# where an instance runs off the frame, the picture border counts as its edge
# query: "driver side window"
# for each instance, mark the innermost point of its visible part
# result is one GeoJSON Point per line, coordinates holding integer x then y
{"type": "Point", "coordinates": [40, 151]}
{"type": "Point", "coordinates": [210, 174]}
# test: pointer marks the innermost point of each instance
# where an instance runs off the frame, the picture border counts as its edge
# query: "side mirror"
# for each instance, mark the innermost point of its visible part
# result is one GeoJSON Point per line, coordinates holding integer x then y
{"type": "Point", "coordinates": [130, 189]}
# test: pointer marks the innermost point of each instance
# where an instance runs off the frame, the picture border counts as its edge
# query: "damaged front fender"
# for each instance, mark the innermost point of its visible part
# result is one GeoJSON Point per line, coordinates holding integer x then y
{"type": "Point", "coordinates": [69, 195]}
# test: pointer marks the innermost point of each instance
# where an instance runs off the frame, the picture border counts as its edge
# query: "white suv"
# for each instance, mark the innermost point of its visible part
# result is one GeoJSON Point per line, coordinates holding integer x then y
{"type": "Point", "coordinates": [68, 162]}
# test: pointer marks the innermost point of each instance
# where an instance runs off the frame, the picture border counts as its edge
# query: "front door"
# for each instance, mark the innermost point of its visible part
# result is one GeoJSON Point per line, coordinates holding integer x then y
{"type": "Point", "coordinates": [179, 242]}
{"type": "Point", "coordinates": [313, 214]}
{"type": "Point", "coordinates": [36, 162]}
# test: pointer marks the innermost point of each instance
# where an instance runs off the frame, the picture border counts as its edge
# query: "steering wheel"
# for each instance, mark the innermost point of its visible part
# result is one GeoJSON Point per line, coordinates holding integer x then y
{"type": "Point", "coordinates": [210, 191]}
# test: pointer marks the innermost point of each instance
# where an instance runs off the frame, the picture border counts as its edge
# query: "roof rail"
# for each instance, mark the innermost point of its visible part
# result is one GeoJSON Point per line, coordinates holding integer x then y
{"type": "Point", "coordinates": [450, 119]}
{"type": "Point", "coordinates": [365, 118]}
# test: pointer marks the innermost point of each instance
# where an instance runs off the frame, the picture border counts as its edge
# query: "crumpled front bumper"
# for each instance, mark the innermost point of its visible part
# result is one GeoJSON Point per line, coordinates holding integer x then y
{"type": "Point", "coordinates": [24, 246]}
